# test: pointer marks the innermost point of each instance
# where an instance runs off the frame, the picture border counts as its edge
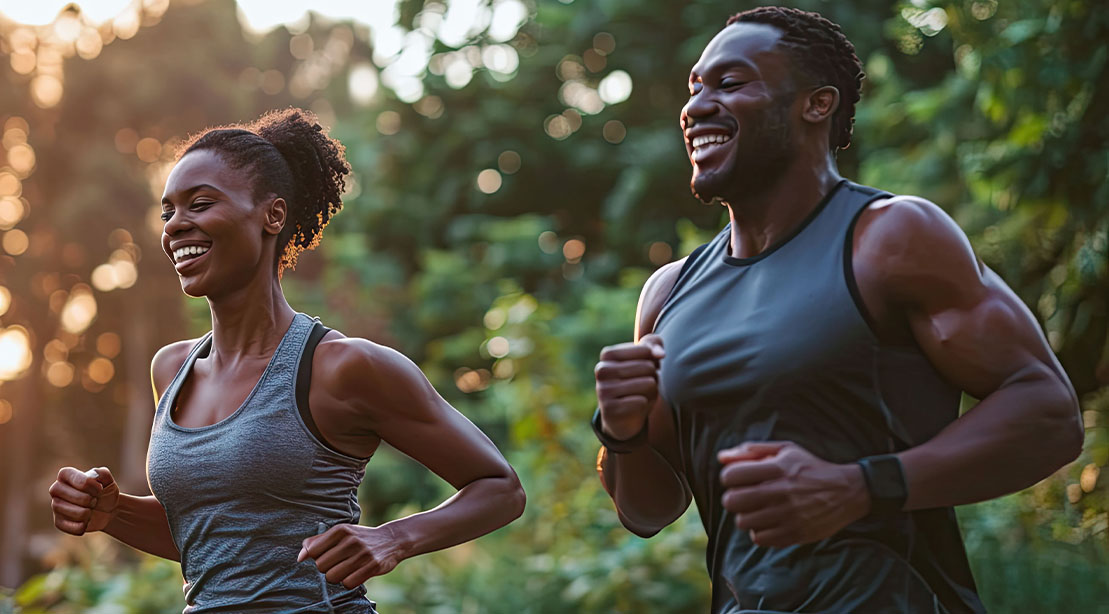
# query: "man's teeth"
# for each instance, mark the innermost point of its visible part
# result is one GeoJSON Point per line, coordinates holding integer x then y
{"type": "Point", "coordinates": [184, 253]}
{"type": "Point", "coordinates": [705, 139]}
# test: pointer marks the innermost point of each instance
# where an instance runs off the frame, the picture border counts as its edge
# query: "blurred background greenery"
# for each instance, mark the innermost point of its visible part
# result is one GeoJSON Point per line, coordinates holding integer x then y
{"type": "Point", "coordinates": [519, 173]}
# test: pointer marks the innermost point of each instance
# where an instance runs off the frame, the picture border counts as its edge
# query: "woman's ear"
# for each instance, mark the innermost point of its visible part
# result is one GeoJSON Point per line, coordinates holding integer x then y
{"type": "Point", "coordinates": [821, 104]}
{"type": "Point", "coordinates": [276, 214]}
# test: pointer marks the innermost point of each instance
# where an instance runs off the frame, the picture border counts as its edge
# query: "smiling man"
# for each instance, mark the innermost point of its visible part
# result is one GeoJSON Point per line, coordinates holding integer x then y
{"type": "Point", "coordinates": [799, 376]}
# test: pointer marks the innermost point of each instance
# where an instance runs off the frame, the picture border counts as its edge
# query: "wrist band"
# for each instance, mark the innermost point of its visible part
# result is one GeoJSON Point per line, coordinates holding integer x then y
{"type": "Point", "coordinates": [618, 446]}
{"type": "Point", "coordinates": [885, 480]}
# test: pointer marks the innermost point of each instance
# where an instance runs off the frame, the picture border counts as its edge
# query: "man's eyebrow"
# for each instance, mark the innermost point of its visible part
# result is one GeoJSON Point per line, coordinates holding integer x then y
{"type": "Point", "coordinates": [729, 63]}
{"type": "Point", "coordinates": [194, 189]}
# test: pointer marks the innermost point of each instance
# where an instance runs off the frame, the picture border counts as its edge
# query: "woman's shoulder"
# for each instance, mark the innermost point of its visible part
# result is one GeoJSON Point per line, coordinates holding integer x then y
{"type": "Point", "coordinates": [167, 362]}
{"type": "Point", "coordinates": [356, 358]}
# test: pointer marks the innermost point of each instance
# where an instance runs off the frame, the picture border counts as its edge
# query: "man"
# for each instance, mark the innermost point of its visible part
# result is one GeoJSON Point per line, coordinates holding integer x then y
{"type": "Point", "coordinates": [799, 376]}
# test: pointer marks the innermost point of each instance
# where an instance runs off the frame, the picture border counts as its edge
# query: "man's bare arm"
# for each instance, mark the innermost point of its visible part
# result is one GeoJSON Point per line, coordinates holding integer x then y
{"type": "Point", "coordinates": [646, 484]}
{"type": "Point", "coordinates": [979, 336]}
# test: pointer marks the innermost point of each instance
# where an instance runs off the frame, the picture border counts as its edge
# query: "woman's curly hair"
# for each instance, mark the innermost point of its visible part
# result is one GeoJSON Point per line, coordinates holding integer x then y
{"type": "Point", "coordinates": [289, 156]}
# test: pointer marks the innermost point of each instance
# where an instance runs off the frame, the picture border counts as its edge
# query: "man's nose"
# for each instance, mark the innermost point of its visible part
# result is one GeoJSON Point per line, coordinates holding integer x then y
{"type": "Point", "coordinates": [699, 106]}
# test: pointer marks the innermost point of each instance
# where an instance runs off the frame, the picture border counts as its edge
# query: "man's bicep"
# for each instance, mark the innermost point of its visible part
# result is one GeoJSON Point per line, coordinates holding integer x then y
{"type": "Point", "coordinates": [653, 296]}
{"type": "Point", "coordinates": [984, 342]}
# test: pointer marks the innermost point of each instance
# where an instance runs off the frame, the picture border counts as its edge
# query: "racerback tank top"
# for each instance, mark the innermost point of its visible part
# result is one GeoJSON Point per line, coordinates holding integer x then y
{"type": "Point", "coordinates": [778, 347]}
{"type": "Point", "coordinates": [243, 493]}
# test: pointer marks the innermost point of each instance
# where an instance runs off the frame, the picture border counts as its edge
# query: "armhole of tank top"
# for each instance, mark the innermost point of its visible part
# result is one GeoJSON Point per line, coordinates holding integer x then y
{"type": "Point", "coordinates": [304, 383]}
{"type": "Point", "coordinates": [678, 281]}
{"type": "Point", "coordinates": [849, 267]}
{"type": "Point", "coordinates": [685, 269]}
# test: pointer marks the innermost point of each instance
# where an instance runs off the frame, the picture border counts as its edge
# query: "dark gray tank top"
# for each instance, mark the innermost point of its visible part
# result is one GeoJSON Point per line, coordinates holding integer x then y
{"type": "Point", "coordinates": [778, 347]}
{"type": "Point", "coordinates": [243, 493]}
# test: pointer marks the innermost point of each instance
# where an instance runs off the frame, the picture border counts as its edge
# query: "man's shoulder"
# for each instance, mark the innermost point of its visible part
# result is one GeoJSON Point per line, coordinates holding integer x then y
{"type": "Point", "coordinates": [907, 240]}
{"type": "Point", "coordinates": [895, 218]}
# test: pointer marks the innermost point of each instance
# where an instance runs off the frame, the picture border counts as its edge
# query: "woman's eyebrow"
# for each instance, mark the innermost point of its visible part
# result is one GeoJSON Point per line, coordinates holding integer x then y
{"type": "Point", "coordinates": [192, 190]}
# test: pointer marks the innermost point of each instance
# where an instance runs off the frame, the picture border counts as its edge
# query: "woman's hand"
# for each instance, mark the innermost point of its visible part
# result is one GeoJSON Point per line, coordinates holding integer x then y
{"type": "Point", "coordinates": [83, 502]}
{"type": "Point", "coordinates": [352, 554]}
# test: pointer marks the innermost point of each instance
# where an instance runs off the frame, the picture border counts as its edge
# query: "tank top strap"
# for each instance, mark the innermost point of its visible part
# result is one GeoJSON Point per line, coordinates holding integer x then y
{"type": "Point", "coordinates": [280, 377]}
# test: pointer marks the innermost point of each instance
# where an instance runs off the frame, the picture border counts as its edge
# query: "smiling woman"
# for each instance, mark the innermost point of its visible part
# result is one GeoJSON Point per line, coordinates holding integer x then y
{"type": "Point", "coordinates": [265, 424]}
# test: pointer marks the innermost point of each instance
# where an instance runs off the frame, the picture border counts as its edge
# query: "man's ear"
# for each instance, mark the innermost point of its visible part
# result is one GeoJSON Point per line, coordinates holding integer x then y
{"type": "Point", "coordinates": [276, 215]}
{"type": "Point", "coordinates": [821, 104]}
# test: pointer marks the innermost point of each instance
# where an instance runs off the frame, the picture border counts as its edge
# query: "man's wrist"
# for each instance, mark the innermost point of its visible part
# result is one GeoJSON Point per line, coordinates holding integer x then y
{"type": "Point", "coordinates": [885, 482]}
{"type": "Point", "coordinates": [618, 446]}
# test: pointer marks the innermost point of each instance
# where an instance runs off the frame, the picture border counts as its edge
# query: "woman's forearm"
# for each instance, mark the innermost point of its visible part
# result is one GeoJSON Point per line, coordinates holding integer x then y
{"type": "Point", "coordinates": [480, 507]}
{"type": "Point", "coordinates": [140, 522]}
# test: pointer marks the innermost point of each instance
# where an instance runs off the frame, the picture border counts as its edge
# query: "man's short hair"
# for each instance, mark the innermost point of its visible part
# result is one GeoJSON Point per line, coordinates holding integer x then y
{"type": "Point", "coordinates": [819, 49]}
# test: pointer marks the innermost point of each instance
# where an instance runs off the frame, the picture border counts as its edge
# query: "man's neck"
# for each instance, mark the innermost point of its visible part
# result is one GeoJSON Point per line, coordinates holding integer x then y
{"type": "Point", "coordinates": [762, 218]}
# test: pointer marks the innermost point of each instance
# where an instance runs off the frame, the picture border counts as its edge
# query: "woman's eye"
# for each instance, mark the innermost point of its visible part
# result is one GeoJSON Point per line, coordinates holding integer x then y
{"type": "Point", "coordinates": [200, 204]}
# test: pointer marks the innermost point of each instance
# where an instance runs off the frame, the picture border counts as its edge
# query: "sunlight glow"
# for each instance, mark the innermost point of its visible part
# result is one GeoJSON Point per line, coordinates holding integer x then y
{"type": "Point", "coordinates": [37, 13]}
{"type": "Point", "coordinates": [15, 352]}
{"type": "Point", "coordinates": [79, 310]}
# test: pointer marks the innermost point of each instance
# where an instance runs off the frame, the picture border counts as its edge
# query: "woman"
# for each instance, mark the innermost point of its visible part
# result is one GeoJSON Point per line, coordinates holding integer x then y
{"type": "Point", "coordinates": [254, 471]}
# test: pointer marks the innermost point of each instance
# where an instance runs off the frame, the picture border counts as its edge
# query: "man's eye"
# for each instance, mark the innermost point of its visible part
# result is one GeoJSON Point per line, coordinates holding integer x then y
{"type": "Point", "coordinates": [166, 215]}
{"type": "Point", "coordinates": [731, 83]}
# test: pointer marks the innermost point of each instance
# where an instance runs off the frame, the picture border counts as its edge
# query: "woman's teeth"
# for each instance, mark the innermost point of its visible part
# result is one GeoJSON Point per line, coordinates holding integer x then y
{"type": "Point", "coordinates": [191, 251]}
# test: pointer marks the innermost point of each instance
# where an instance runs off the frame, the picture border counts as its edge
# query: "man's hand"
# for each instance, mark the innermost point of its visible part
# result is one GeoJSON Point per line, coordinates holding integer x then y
{"type": "Point", "coordinates": [352, 554]}
{"type": "Point", "coordinates": [627, 385]}
{"type": "Point", "coordinates": [784, 495]}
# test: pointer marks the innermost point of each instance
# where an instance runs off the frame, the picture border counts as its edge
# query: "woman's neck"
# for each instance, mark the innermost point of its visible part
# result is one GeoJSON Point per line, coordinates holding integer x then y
{"type": "Point", "coordinates": [250, 322]}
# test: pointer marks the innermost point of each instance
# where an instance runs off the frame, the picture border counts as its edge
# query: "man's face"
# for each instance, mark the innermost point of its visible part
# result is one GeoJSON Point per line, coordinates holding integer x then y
{"type": "Point", "coordinates": [737, 121]}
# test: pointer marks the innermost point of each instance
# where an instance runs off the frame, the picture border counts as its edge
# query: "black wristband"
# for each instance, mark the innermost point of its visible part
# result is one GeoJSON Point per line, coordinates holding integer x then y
{"type": "Point", "coordinates": [885, 480]}
{"type": "Point", "coordinates": [618, 446]}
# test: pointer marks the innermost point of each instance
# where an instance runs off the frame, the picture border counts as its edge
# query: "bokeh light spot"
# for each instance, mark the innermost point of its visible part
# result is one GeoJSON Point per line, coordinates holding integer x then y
{"type": "Point", "coordinates": [362, 83]}
{"type": "Point", "coordinates": [604, 43]}
{"type": "Point", "coordinates": [22, 159]}
{"type": "Point", "coordinates": [573, 250]}
{"type": "Point", "coordinates": [548, 242]}
{"type": "Point", "coordinates": [101, 370]}
{"type": "Point", "coordinates": [614, 131]}
{"type": "Point", "coordinates": [388, 122]}
{"type": "Point", "coordinates": [489, 181]}
{"type": "Point", "coordinates": [616, 87]}
{"type": "Point", "coordinates": [659, 253]}
{"type": "Point", "coordinates": [557, 127]}
{"type": "Point", "coordinates": [16, 242]}
{"type": "Point", "coordinates": [60, 374]}
{"type": "Point", "coordinates": [79, 310]}
{"type": "Point", "coordinates": [46, 91]}
{"type": "Point", "coordinates": [148, 150]}
{"type": "Point", "coordinates": [109, 344]}
{"type": "Point", "coordinates": [11, 212]}
{"type": "Point", "coordinates": [498, 347]}
{"type": "Point", "coordinates": [15, 352]}
{"type": "Point", "coordinates": [509, 162]}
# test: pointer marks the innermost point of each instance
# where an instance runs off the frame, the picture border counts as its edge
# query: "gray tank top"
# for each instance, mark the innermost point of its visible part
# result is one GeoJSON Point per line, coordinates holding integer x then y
{"type": "Point", "coordinates": [243, 493]}
{"type": "Point", "coordinates": [778, 347]}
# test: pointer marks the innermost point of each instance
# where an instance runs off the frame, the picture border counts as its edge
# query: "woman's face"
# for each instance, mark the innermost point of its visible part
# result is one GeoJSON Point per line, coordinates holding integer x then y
{"type": "Point", "coordinates": [218, 239]}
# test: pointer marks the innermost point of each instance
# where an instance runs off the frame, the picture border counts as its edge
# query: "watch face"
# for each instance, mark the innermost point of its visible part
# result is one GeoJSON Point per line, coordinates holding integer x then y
{"type": "Point", "coordinates": [886, 482]}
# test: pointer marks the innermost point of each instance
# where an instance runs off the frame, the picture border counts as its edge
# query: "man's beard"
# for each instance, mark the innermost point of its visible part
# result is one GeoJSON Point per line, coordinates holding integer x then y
{"type": "Point", "coordinates": [758, 161]}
